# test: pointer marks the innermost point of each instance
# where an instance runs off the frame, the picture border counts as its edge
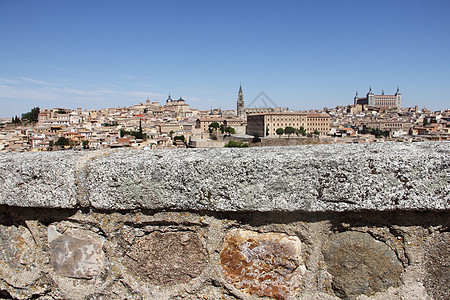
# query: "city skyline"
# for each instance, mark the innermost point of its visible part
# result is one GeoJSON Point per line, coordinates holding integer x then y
{"type": "Point", "coordinates": [302, 55]}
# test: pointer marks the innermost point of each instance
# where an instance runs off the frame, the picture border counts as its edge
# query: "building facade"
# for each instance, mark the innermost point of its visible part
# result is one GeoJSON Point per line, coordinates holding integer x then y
{"type": "Point", "coordinates": [266, 124]}
{"type": "Point", "coordinates": [394, 101]}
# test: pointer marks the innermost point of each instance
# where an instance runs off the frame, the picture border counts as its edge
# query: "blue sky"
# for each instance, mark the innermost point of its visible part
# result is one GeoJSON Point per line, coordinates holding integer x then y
{"type": "Point", "coordinates": [303, 54]}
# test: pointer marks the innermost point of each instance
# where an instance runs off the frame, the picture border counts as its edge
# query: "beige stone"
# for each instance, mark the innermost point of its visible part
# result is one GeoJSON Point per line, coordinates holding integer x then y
{"type": "Point", "coordinates": [77, 253]}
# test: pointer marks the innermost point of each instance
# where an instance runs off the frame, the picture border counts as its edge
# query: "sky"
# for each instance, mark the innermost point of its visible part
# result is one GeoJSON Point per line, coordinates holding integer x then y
{"type": "Point", "coordinates": [301, 54]}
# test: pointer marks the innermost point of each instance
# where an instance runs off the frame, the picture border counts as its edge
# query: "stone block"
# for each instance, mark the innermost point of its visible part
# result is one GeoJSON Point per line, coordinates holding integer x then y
{"type": "Point", "coordinates": [77, 253]}
{"type": "Point", "coordinates": [360, 264]}
{"type": "Point", "coordinates": [263, 264]}
{"type": "Point", "coordinates": [437, 266]}
{"type": "Point", "coordinates": [163, 258]}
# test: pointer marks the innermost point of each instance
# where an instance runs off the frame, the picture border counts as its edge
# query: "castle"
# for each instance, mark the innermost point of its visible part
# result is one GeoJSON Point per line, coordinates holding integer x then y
{"type": "Point", "coordinates": [380, 100]}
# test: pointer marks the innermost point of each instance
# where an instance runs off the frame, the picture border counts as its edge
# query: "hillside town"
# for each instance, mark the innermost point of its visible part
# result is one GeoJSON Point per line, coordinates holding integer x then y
{"type": "Point", "coordinates": [150, 125]}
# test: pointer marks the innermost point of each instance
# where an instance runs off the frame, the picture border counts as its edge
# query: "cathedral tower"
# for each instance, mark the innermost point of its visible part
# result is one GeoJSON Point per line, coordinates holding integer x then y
{"type": "Point", "coordinates": [240, 104]}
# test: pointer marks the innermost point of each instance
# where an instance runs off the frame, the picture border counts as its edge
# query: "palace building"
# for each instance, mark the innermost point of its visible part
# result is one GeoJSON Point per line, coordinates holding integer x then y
{"type": "Point", "coordinates": [394, 101]}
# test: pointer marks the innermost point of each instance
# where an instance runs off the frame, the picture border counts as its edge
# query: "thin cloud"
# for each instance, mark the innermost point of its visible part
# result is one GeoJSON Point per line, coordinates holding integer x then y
{"type": "Point", "coordinates": [58, 68]}
{"type": "Point", "coordinates": [41, 82]}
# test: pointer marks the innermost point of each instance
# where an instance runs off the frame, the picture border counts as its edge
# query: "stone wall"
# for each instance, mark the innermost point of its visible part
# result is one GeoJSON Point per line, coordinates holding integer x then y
{"type": "Point", "coordinates": [307, 222]}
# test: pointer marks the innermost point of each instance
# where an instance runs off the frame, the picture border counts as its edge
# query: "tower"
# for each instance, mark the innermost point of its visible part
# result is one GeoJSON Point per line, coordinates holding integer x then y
{"type": "Point", "coordinates": [370, 98]}
{"type": "Point", "coordinates": [240, 104]}
{"type": "Point", "coordinates": [355, 100]}
{"type": "Point", "coordinates": [398, 96]}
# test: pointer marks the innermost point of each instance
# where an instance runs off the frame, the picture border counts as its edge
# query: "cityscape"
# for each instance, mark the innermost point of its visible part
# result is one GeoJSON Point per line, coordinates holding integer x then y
{"type": "Point", "coordinates": [175, 124]}
{"type": "Point", "coordinates": [230, 150]}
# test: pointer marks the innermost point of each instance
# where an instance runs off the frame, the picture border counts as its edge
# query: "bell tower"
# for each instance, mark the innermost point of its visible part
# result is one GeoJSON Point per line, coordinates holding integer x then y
{"type": "Point", "coordinates": [240, 104]}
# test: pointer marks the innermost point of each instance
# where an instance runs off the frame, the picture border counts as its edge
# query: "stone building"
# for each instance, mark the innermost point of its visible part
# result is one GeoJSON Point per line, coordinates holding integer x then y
{"type": "Point", "coordinates": [179, 107]}
{"type": "Point", "coordinates": [382, 100]}
{"type": "Point", "coordinates": [266, 124]}
{"type": "Point", "coordinates": [203, 123]}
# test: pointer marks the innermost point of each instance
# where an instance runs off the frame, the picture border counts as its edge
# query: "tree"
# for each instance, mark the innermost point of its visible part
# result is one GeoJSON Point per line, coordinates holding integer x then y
{"type": "Point", "coordinates": [62, 141]}
{"type": "Point", "coordinates": [236, 144]}
{"type": "Point", "coordinates": [316, 132]}
{"type": "Point", "coordinates": [179, 138]}
{"type": "Point", "coordinates": [300, 131]}
{"type": "Point", "coordinates": [289, 130]}
{"type": "Point", "coordinates": [230, 130]}
{"type": "Point", "coordinates": [15, 120]}
{"type": "Point", "coordinates": [32, 116]}
{"type": "Point", "coordinates": [85, 144]}
{"type": "Point", "coordinates": [256, 139]}
{"type": "Point", "coordinates": [213, 127]}
{"type": "Point", "coordinates": [138, 134]}
{"type": "Point", "coordinates": [280, 131]}
{"type": "Point", "coordinates": [222, 128]}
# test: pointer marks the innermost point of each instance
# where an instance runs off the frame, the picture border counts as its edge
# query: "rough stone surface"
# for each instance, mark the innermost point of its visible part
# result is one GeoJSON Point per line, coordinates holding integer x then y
{"type": "Point", "coordinates": [19, 268]}
{"type": "Point", "coordinates": [76, 253]}
{"type": "Point", "coordinates": [385, 176]}
{"type": "Point", "coordinates": [263, 264]}
{"type": "Point", "coordinates": [360, 264]}
{"type": "Point", "coordinates": [39, 180]}
{"type": "Point", "coordinates": [167, 258]}
{"type": "Point", "coordinates": [437, 266]}
{"type": "Point", "coordinates": [27, 270]}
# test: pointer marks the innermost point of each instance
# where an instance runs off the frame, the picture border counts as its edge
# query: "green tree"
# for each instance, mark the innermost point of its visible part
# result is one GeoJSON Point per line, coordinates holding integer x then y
{"type": "Point", "coordinates": [316, 132]}
{"type": "Point", "coordinates": [213, 127]}
{"type": "Point", "coordinates": [280, 131]}
{"type": "Point", "coordinates": [62, 141]}
{"type": "Point", "coordinates": [138, 134]}
{"type": "Point", "coordinates": [300, 131]}
{"type": "Point", "coordinates": [222, 128]}
{"type": "Point", "coordinates": [31, 116]}
{"type": "Point", "coordinates": [236, 144]}
{"type": "Point", "coordinates": [289, 130]}
{"type": "Point", "coordinates": [230, 130]}
{"type": "Point", "coordinates": [179, 138]}
{"type": "Point", "coordinates": [85, 144]}
{"type": "Point", "coordinates": [256, 139]}
{"type": "Point", "coordinates": [16, 120]}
